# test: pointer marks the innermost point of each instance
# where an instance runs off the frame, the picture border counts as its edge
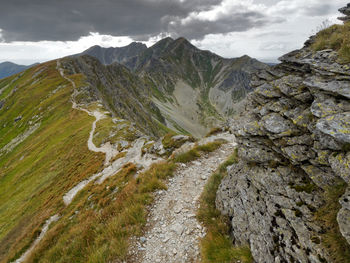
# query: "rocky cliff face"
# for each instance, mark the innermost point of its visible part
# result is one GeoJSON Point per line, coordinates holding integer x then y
{"type": "Point", "coordinates": [118, 54]}
{"type": "Point", "coordinates": [294, 167]}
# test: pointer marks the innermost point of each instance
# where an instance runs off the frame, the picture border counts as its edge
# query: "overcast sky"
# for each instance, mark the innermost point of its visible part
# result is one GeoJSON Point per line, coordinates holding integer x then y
{"type": "Point", "coordinates": [40, 30]}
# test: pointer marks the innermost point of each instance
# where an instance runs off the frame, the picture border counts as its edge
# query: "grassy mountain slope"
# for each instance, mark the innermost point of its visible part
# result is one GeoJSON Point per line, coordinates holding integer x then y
{"type": "Point", "coordinates": [41, 168]}
{"type": "Point", "coordinates": [8, 68]}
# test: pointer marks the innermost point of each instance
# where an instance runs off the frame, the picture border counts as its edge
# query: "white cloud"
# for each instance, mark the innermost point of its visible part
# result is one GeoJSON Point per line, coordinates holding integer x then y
{"type": "Point", "coordinates": [271, 40]}
{"type": "Point", "coordinates": [30, 52]}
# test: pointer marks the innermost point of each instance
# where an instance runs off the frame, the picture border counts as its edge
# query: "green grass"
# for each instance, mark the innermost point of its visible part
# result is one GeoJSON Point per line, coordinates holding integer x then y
{"type": "Point", "coordinates": [108, 215]}
{"type": "Point", "coordinates": [217, 246]}
{"type": "Point", "coordinates": [194, 153]}
{"type": "Point", "coordinates": [36, 174]}
{"type": "Point", "coordinates": [331, 238]}
{"type": "Point", "coordinates": [209, 147]}
{"type": "Point", "coordinates": [336, 37]}
{"type": "Point", "coordinates": [107, 130]}
{"type": "Point", "coordinates": [187, 157]}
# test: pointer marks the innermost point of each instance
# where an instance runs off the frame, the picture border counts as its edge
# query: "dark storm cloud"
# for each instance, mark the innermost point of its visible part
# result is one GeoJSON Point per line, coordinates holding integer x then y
{"type": "Point", "coordinates": [35, 20]}
{"type": "Point", "coordinates": [69, 19]}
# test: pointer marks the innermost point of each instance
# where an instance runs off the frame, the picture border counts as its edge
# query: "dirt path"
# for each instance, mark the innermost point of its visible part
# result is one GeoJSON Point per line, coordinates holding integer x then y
{"type": "Point", "coordinates": [133, 155]}
{"type": "Point", "coordinates": [173, 230]}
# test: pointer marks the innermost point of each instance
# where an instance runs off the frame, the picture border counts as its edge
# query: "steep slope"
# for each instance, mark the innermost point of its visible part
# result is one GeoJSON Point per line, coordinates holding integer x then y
{"type": "Point", "coordinates": [8, 68]}
{"type": "Point", "coordinates": [118, 89]}
{"type": "Point", "coordinates": [288, 197]}
{"type": "Point", "coordinates": [43, 153]}
{"type": "Point", "coordinates": [119, 54]}
{"type": "Point", "coordinates": [57, 143]}
{"type": "Point", "coordinates": [194, 89]}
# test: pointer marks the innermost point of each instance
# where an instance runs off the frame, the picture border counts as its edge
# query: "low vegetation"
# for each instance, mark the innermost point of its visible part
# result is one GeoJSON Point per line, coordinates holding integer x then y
{"type": "Point", "coordinates": [102, 218]}
{"type": "Point", "coordinates": [336, 37]}
{"type": "Point", "coordinates": [107, 130]}
{"type": "Point", "coordinates": [194, 153]}
{"type": "Point", "coordinates": [217, 246]}
{"type": "Point", "coordinates": [35, 174]}
{"type": "Point", "coordinates": [326, 216]}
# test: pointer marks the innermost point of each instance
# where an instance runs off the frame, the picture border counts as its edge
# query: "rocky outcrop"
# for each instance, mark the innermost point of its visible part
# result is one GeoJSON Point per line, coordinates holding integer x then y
{"type": "Point", "coordinates": [293, 143]}
{"type": "Point", "coordinates": [346, 11]}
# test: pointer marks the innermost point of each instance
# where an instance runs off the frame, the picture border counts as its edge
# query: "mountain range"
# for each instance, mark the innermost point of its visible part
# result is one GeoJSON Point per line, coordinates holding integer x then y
{"type": "Point", "coordinates": [68, 121]}
{"type": "Point", "coordinates": [191, 90]}
{"type": "Point", "coordinates": [9, 68]}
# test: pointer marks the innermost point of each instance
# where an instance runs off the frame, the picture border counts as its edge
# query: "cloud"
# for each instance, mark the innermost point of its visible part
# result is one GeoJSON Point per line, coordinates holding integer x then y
{"type": "Point", "coordinates": [35, 20]}
{"type": "Point", "coordinates": [229, 28]}
{"type": "Point", "coordinates": [66, 20]}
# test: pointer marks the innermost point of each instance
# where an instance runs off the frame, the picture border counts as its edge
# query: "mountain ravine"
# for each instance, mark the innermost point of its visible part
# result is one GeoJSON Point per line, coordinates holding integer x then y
{"type": "Point", "coordinates": [193, 89]}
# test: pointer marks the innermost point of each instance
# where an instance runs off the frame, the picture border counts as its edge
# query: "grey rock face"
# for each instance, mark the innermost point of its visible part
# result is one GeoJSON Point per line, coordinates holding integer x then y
{"type": "Point", "coordinates": [346, 11]}
{"type": "Point", "coordinates": [344, 215]}
{"type": "Point", "coordinates": [341, 165]}
{"type": "Point", "coordinates": [337, 126]}
{"type": "Point", "coordinates": [336, 87]}
{"type": "Point", "coordinates": [293, 145]}
{"type": "Point", "coordinates": [265, 214]}
{"type": "Point", "coordinates": [275, 123]}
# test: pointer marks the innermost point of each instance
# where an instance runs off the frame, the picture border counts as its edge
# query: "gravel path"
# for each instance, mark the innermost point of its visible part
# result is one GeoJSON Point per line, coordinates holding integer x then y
{"type": "Point", "coordinates": [173, 230]}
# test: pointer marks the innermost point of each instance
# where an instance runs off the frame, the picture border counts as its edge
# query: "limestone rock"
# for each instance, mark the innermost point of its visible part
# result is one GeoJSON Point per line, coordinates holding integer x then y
{"type": "Point", "coordinates": [323, 107]}
{"type": "Point", "coordinates": [298, 153]}
{"type": "Point", "coordinates": [268, 91]}
{"type": "Point", "coordinates": [293, 144]}
{"type": "Point", "coordinates": [263, 213]}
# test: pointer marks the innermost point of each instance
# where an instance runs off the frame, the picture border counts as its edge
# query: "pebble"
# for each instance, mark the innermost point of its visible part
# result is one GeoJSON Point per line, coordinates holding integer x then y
{"type": "Point", "coordinates": [176, 232]}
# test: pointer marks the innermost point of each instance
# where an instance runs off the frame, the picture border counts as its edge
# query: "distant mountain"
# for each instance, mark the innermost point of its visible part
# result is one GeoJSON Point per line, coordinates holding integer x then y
{"type": "Point", "coordinates": [196, 89]}
{"type": "Point", "coordinates": [118, 54]}
{"type": "Point", "coordinates": [9, 68]}
{"type": "Point", "coordinates": [192, 89]}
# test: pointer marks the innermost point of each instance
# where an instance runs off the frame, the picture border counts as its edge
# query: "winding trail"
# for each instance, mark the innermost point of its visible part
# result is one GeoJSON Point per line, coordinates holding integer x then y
{"type": "Point", "coordinates": [106, 148]}
{"type": "Point", "coordinates": [46, 226]}
{"type": "Point", "coordinates": [173, 231]}
{"type": "Point", "coordinates": [133, 155]}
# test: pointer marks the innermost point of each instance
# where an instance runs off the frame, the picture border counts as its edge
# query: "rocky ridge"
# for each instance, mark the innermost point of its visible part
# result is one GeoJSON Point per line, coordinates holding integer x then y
{"type": "Point", "coordinates": [190, 90]}
{"type": "Point", "coordinates": [294, 147]}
